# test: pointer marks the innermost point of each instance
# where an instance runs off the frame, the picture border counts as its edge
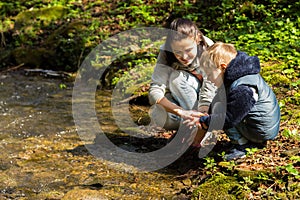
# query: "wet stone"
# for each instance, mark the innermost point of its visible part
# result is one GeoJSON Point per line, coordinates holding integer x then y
{"type": "Point", "coordinates": [84, 194]}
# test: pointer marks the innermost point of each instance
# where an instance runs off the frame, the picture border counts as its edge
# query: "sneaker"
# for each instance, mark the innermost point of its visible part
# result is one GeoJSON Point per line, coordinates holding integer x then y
{"type": "Point", "coordinates": [239, 151]}
{"type": "Point", "coordinates": [234, 154]}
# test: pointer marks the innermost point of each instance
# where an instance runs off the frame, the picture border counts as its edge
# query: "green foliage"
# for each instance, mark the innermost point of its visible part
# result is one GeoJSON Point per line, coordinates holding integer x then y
{"type": "Point", "coordinates": [267, 28]}
{"type": "Point", "coordinates": [292, 134]}
{"type": "Point", "coordinates": [133, 80]}
{"type": "Point", "coordinates": [62, 86]}
{"type": "Point", "coordinates": [289, 170]}
{"type": "Point", "coordinates": [251, 151]}
{"type": "Point", "coordinates": [210, 165]}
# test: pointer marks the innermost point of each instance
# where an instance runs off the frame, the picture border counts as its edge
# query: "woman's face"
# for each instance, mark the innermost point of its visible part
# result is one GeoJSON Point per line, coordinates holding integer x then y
{"type": "Point", "coordinates": [185, 50]}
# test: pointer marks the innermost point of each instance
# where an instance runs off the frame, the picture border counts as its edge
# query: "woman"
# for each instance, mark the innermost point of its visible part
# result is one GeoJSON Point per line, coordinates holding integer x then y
{"type": "Point", "coordinates": [178, 84]}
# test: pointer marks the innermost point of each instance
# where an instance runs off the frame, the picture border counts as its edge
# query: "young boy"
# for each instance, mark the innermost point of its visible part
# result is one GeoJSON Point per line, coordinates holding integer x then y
{"type": "Point", "coordinates": [252, 111]}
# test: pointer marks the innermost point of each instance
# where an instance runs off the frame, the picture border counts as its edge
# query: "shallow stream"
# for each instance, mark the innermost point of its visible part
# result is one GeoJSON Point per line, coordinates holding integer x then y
{"type": "Point", "coordinates": [42, 156]}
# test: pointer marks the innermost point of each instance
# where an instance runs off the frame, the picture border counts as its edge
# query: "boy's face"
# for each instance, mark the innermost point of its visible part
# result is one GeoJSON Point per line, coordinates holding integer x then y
{"type": "Point", "coordinates": [185, 50]}
{"type": "Point", "coordinates": [214, 74]}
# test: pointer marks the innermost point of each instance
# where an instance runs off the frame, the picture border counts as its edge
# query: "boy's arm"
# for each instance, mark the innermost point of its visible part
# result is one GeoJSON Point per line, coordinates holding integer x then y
{"type": "Point", "coordinates": [240, 101]}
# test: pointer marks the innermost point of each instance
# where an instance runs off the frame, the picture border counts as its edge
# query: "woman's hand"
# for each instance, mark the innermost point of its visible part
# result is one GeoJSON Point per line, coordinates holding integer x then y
{"type": "Point", "coordinates": [195, 121]}
{"type": "Point", "coordinates": [186, 114]}
{"type": "Point", "coordinates": [191, 117]}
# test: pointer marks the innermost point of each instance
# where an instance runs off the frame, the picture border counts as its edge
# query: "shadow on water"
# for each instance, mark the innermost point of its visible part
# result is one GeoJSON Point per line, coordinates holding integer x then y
{"type": "Point", "coordinates": [185, 163]}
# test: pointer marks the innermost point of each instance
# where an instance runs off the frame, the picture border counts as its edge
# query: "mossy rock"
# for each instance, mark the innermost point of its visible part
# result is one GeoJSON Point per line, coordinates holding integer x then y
{"type": "Point", "coordinates": [37, 16]}
{"type": "Point", "coordinates": [220, 186]}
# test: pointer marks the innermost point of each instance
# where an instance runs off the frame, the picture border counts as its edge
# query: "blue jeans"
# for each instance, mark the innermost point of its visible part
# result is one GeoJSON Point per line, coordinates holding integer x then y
{"type": "Point", "coordinates": [184, 91]}
{"type": "Point", "coordinates": [242, 132]}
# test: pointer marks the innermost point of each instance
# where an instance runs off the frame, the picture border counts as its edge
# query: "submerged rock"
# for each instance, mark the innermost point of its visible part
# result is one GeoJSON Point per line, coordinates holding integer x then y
{"type": "Point", "coordinates": [84, 194]}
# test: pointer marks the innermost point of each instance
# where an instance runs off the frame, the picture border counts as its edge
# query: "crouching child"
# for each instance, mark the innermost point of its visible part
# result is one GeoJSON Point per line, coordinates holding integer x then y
{"type": "Point", "coordinates": [252, 112]}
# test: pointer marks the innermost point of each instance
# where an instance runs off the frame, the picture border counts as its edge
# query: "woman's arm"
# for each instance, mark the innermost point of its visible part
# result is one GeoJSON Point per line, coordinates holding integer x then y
{"type": "Point", "coordinates": [169, 106]}
{"type": "Point", "coordinates": [206, 95]}
{"type": "Point", "coordinates": [159, 79]}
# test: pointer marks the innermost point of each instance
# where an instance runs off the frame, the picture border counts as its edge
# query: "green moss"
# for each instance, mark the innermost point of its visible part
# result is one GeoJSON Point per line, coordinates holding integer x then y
{"type": "Point", "coordinates": [220, 187]}
{"type": "Point", "coordinates": [44, 15]}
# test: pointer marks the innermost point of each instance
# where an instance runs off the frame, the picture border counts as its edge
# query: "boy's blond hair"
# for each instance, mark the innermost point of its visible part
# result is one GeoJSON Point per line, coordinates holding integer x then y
{"type": "Point", "coordinates": [219, 53]}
